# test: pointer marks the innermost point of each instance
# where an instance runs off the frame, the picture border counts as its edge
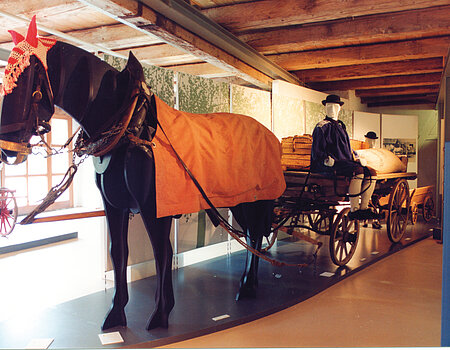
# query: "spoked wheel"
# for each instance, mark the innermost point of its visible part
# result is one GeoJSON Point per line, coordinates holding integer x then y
{"type": "Point", "coordinates": [320, 221]}
{"type": "Point", "coordinates": [428, 208]}
{"type": "Point", "coordinates": [8, 211]}
{"type": "Point", "coordinates": [343, 238]}
{"type": "Point", "coordinates": [414, 213]}
{"type": "Point", "coordinates": [399, 208]}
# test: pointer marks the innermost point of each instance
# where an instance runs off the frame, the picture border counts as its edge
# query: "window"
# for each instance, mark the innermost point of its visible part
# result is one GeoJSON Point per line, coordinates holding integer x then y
{"type": "Point", "coordinates": [32, 179]}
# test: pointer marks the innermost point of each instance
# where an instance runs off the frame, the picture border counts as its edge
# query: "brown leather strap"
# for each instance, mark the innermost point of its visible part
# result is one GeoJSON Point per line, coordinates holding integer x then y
{"type": "Point", "coordinates": [123, 126]}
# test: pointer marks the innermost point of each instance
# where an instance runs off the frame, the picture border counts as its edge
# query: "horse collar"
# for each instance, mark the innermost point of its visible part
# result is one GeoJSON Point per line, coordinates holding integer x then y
{"type": "Point", "coordinates": [106, 141]}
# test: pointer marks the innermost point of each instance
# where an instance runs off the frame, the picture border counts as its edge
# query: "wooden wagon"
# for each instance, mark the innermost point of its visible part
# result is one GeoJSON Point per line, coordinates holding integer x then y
{"type": "Point", "coordinates": [320, 204]}
{"type": "Point", "coordinates": [422, 199]}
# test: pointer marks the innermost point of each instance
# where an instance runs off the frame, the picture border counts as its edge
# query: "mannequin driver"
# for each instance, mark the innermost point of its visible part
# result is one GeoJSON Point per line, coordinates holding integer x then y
{"type": "Point", "coordinates": [331, 154]}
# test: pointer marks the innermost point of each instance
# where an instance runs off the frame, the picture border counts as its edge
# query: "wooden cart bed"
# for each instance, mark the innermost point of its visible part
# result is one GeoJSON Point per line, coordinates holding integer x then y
{"type": "Point", "coordinates": [321, 187]}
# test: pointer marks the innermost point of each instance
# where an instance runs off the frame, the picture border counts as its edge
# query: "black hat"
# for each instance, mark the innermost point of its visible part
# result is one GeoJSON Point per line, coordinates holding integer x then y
{"type": "Point", "coordinates": [371, 135]}
{"type": "Point", "coordinates": [332, 99]}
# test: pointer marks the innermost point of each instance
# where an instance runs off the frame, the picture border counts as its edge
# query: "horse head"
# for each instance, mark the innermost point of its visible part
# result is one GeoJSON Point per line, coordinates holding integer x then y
{"type": "Point", "coordinates": [27, 103]}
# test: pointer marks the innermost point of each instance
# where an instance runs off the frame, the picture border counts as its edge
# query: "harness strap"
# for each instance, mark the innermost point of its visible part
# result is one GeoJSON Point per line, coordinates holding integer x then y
{"type": "Point", "coordinates": [124, 124]}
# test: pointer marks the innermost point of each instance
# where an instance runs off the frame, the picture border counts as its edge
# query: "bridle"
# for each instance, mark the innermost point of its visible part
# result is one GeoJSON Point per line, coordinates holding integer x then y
{"type": "Point", "coordinates": [33, 124]}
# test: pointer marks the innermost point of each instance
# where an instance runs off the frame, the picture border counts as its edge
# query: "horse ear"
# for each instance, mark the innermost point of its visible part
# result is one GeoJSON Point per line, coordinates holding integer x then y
{"type": "Point", "coordinates": [134, 66]}
{"type": "Point", "coordinates": [17, 38]}
{"type": "Point", "coordinates": [32, 33]}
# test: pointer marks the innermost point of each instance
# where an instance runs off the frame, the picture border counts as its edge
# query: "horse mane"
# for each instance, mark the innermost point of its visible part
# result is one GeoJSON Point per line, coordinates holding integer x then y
{"type": "Point", "coordinates": [87, 88]}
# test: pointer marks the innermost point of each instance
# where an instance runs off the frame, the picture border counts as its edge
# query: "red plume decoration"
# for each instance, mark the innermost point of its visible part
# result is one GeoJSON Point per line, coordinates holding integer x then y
{"type": "Point", "coordinates": [17, 38]}
{"type": "Point", "coordinates": [32, 38]}
{"type": "Point", "coordinates": [19, 59]}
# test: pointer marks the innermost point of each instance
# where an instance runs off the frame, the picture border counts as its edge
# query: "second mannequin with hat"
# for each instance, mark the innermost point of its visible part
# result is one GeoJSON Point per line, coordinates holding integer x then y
{"type": "Point", "coordinates": [371, 138]}
{"type": "Point", "coordinates": [331, 154]}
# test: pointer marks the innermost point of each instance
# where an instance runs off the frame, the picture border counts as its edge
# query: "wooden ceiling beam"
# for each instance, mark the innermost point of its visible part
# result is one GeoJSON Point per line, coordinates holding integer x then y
{"type": "Point", "coordinates": [398, 91]}
{"type": "Point", "coordinates": [362, 30]}
{"type": "Point", "coordinates": [378, 83]}
{"type": "Point", "coordinates": [32, 7]}
{"type": "Point", "coordinates": [205, 70]}
{"type": "Point", "coordinates": [425, 102]}
{"type": "Point", "coordinates": [427, 65]}
{"type": "Point", "coordinates": [115, 36]}
{"type": "Point", "coordinates": [136, 14]}
{"type": "Point", "coordinates": [161, 55]}
{"type": "Point", "coordinates": [364, 54]}
{"type": "Point", "coordinates": [375, 99]}
{"type": "Point", "coordinates": [274, 13]}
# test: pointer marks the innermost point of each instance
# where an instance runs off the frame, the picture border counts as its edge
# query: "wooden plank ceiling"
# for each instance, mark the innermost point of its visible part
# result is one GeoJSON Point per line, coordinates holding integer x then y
{"type": "Point", "coordinates": [390, 52]}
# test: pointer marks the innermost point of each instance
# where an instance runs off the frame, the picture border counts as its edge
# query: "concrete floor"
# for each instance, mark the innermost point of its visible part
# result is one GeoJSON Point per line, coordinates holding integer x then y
{"type": "Point", "coordinates": [395, 302]}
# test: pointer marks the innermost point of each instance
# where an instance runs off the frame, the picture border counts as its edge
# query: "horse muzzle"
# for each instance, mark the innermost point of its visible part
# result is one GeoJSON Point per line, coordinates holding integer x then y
{"type": "Point", "coordinates": [21, 150]}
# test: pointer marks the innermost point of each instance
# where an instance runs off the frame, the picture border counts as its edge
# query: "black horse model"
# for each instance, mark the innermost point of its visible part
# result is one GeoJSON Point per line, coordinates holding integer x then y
{"type": "Point", "coordinates": [117, 113]}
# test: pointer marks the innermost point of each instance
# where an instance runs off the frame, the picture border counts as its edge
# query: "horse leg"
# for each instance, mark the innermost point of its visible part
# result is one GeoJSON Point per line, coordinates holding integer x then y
{"type": "Point", "coordinates": [118, 228]}
{"type": "Point", "coordinates": [255, 218]}
{"type": "Point", "coordinates": [158, 230]}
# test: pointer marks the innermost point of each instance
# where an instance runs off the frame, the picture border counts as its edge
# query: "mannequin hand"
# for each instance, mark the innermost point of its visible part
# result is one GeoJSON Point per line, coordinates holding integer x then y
{"type": "Point", "coordinates": [362, 161]}
{"type": "Point", "coordinates": [328, 161]}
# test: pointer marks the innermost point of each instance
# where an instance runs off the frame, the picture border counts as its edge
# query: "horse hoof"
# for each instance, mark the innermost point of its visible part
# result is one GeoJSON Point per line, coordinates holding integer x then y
{"type": "Point", "coordinates": [246, 292]}
{"type": "Point", "coordinates": [115, 319]}
{"type": "Point", "coordinates": [158, 321]}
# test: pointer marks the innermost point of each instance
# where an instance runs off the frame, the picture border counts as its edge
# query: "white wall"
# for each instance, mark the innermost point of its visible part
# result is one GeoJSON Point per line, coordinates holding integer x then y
{"type": "Point", "coordinates": [364, 122]}
{"type": "Point", "coordinates": [402, 127]}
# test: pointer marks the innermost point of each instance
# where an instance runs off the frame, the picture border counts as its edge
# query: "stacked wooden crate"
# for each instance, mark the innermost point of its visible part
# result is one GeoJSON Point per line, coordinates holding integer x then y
{"type": "Point", "coordinates": [296, 152]}
{"type": "Point", "coordinates": [356, 145]}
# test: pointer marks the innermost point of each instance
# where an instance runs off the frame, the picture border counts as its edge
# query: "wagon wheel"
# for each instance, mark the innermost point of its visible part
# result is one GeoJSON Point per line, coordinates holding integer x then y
{"type": "Point", "coordinates": [428, 208]}
{"type": "Point", "coordinates": [398, 214]}
{"type": "Point", "coordinates": [320, 222]}
{"type": "Point", "coordinates": [8, 211]}
{"type": "Point", "coordinates": [343, 238]}
{"type": "Point", "coordinates": [414, 213]}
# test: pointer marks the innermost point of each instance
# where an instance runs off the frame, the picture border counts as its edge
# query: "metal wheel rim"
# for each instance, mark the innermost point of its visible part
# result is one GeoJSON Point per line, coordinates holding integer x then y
{"type": "Point", "coordinates": [341, 251]}
{"type": "Point", "coordinates": [8, 212]}
{"type": "Point", "coordinates": [397, 219]}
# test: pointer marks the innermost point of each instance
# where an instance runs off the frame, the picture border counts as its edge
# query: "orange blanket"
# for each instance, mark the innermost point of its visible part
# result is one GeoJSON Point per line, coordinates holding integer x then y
{"type": "Point", "coordinates": [234, 158]}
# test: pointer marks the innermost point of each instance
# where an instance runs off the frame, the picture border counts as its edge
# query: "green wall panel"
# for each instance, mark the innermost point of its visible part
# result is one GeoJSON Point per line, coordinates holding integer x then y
{"type": "Point", "coordinates": [252, 102]}
{"type": "Point", "coordinates": [200, 95]}
{"type": "Point", "coordinates": [347, 118]}
{"type": "Point", "coordinates": [288, 116]}
{"type": "Point", "coordinates": [314, 113]}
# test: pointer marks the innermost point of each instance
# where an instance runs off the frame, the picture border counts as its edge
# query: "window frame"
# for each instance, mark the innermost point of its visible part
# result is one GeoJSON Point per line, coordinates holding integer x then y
{"type": "Point", "coordinates": [69, 203]}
